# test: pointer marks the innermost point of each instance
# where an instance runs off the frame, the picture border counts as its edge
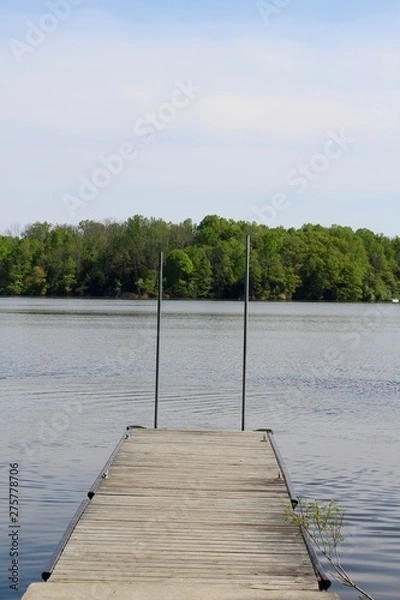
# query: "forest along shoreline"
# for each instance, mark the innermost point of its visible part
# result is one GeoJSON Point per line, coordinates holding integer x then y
{"type": "Point", "coordinates": [120, 260]}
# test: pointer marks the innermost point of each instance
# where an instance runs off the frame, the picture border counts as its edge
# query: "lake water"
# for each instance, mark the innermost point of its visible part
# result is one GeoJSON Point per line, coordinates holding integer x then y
{"type": "Point", "coordinates": [324, 377]}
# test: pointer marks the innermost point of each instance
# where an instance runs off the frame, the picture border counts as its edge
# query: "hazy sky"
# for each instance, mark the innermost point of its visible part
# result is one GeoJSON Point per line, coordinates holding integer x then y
{"type": "Point", "coordinates": [283, 111]}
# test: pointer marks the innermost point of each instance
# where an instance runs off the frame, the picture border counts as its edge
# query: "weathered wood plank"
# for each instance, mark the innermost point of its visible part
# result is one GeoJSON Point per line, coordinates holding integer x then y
{"type": "Point", "coordinates": [186, 511]}
{"type": "Point", "coordinates": [174, 591]}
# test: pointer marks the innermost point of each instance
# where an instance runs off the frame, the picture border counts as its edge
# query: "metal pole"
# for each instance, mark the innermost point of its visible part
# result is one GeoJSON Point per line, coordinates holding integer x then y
{"type": "Point", "coordinates": [246, 313]}
{"type": "Point", "coordinates": [160, 292]}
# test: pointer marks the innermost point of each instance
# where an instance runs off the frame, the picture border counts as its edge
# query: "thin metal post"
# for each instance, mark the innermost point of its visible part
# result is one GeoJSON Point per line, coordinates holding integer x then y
{"type": "Point", "coordinates": [160, 293]}
{"type": "Point", "coordinates": [246, 313]}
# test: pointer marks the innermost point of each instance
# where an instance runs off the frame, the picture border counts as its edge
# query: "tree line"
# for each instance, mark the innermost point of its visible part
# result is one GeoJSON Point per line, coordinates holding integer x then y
{"type": "Point", "coordinates": [112, 259]}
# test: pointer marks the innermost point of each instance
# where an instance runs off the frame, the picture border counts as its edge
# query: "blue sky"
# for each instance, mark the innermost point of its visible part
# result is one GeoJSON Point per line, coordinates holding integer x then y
{"type": "Point", "coordinates": [283, 112]}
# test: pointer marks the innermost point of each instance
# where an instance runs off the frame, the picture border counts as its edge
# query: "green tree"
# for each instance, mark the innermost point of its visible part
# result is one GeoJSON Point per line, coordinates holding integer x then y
{"type": "Point", "coordinates": [19, 266]}
{"type": "Point", "coordinates": [67, 278]}
{"type": "Point", "coordinates": [36, 282]}
{"type": "Point", "coordinates": [148, 287]}
{"type": "Point", "coordinates": [6, 246]}
{"type": "Point", "coordinates": [201, 275]}
{"type": "Point", "coordinates": [178, 271]}
{"type": "Point", "coordinates": [313, 263]}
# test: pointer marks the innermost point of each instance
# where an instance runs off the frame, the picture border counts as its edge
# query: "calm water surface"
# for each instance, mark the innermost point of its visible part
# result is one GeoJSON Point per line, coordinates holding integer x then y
{"type": "Point", "coordinates": [74, 373]}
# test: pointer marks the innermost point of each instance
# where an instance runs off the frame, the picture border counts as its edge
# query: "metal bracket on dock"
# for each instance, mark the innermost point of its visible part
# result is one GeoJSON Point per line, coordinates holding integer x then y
{"type": "Point", "coordinates": [293, 498]}
{"type": "Point", "coordinates": [104, 471]}
{"type": "Point", "coordinates": [63, 542]}
{"type": "Point", "coordinates": [324, 583]}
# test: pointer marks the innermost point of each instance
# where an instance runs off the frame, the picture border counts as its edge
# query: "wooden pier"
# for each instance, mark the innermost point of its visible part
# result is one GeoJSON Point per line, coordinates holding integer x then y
{"type": "Point", "coordinates": [185, 515]}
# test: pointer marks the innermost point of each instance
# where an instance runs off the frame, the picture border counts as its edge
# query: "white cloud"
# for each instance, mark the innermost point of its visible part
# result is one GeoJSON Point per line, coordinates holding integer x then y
{"type": "Point", "coordinates": [267, 104]}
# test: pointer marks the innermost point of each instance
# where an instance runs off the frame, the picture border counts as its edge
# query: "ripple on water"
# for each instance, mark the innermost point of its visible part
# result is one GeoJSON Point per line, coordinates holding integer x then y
{"type": "Point", "coordinates": [73, 379]}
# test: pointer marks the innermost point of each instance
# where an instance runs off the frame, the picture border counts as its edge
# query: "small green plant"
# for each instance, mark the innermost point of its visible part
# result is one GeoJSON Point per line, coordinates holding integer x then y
{"type": "Point", "coordinates": [323, 523]}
